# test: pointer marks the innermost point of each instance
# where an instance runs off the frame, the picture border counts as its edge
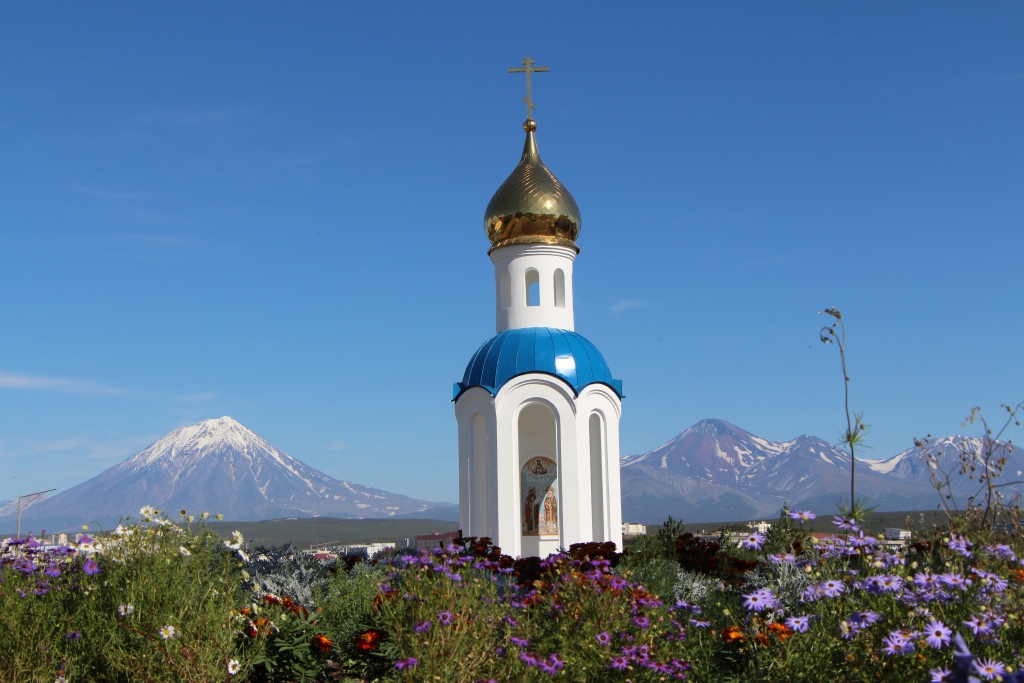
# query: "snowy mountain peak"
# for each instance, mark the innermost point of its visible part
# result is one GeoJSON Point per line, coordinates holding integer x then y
{"type": "Point", "coordinates": [221, 466]}
{"type": "Point", "coordinates": [208, 438]}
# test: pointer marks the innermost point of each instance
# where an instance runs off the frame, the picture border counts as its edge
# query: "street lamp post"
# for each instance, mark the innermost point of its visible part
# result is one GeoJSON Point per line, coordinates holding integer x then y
{"type": "Point", "coordinates": [29, 497]}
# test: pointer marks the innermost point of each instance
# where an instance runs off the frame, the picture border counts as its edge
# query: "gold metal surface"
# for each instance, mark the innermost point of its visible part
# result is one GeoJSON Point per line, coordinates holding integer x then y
{"type": "Point", "coordinates": [532, 206]}
{"type": "Point", "coordinates": [528, 68]}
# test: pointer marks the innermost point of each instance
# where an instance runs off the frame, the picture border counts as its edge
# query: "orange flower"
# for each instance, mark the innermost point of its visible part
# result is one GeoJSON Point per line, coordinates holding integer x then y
{"type": "Point", "coordinates": [1017, 574]}
{"type": "Point", "coordinates": [780, 630]}
{"type": "Point", "coordinates": [368, 641]}
{"type": "Point", "coordinates": [323, 642]}
{"type": "Point", "coordinates": [733, 634]}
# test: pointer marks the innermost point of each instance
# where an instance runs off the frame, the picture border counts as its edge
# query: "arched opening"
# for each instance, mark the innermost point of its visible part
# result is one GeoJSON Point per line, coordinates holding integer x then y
{"type": "Point", "coordinates": [559, 288]}
{"type": "Point", "coordinates": [506, 289]}
{"type": "Point", "coordinates": [597, 475]}
{"type": "Point", "coordinates": [539, 496]}
{"type": "Point", "coordinates": [532, 287]}
{"type": "Point", "coordinates": [478, 481]}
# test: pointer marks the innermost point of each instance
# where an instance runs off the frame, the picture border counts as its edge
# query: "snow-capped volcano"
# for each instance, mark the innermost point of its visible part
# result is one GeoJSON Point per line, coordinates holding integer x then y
{"type": "Point", "coordinates": [219, 466]}
{"type": "Point", "coordinates": [716, 471]}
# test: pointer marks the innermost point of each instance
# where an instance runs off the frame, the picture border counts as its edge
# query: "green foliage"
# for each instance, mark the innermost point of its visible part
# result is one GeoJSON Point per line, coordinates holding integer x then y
{"type": "Point", "coordinates": [785, 535]}
{"type": "Point", "coordinates": [169, 575]}
{"type": "Point", "coordinates": [670, 530]}
{"type": "Point", "coordinates": [294, 649]}
{"type": "Point", "coordinates": [347, 610]}
{"type": "Point", "coordinates": [152, 601]}
{"type": "Point", "coordinates": [650, 560]}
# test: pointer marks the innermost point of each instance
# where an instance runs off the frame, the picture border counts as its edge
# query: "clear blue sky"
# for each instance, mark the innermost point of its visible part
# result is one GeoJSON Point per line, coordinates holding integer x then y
{"type": "Point", "coordinates": [274, 211]}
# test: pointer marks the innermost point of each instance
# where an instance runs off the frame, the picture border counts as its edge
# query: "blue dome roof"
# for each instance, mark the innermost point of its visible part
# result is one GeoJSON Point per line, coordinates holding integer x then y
{"type": "Point", "coordinates": [561, 353]}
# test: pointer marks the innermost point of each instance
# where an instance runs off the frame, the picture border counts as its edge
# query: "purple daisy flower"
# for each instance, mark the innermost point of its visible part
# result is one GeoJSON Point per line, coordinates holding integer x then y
{"type": "Point", "coordinates": [802, 515]}
{"type": "Point", "coordinates": [620, 663]}
{"type": "Point", "coordinates": [845, 523]}
{"type": "Point", "coordinates": [642, 622]}
{"type": "Point", "coordinates": [759, 600]}
{"type": "Point", "coordinates": [937, 635]}
{"type": "Point", "coordinates": [422, 627]}
{"type": "Point", "coordinates": [405, 664]}
{"type": "Point", "coordinates": [520, 642]}
{"type": "Point", "coordinates": [799, 624]}
{"type": "Point", "coordinates": [528, 658]}
{"type": "Point", "coordinates": [446, 618]}
{"type": "Point", "coordinates": [895, 645]}
{"type": "Point", "coordinates": [603, 638]}
{"type": "Point", "coordinates": [989, 668]}
{"type": "Point", "coordinates": [939, 675]}
{"type": "Point", "coordinates": [980, 626]}
{"type": "Point", "coordinates": [90, 567]}
{"type": "Point", "coordinates": [753, 541]}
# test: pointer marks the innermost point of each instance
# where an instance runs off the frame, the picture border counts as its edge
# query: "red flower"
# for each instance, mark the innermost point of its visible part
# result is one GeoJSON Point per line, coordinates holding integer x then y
{"type": "Point", "coordinates": [323, 642]}
{"type": "Point", "coordinates": [733, 634]}
{"type": "Point", "coordinates": [368, 641]}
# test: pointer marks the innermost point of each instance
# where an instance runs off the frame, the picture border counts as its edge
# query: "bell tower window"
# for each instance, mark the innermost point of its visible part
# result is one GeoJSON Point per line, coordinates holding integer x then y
{"type": "Point", "coordinates": [559, 288]}
{"type": "Point", "coordinates": [506, 289]}
{"type": "Point", "coordinates": [532, 287]}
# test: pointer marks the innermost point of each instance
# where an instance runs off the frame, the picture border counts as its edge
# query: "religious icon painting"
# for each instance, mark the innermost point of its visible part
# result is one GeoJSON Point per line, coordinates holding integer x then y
{"type": "Point", "coordinates": [539, 490]}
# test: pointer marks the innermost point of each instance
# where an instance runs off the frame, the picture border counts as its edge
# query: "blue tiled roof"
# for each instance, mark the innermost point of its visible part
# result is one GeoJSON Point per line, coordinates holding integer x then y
{"type": "Point", "coordinates": [561, 353]}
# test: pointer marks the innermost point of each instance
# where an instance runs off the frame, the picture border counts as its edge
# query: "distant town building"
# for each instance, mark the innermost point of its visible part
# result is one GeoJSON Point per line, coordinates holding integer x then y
{"type": "Point", "coordinates": [894, 534]}
{"type": "Point", "coordinates": [367, 549]}
{"type": "Point", "coordinates": [631, 529]}
{"type": "Point", "coordinates": [435, 540]}
{"type": "Point", "coordinates": [761, 527]}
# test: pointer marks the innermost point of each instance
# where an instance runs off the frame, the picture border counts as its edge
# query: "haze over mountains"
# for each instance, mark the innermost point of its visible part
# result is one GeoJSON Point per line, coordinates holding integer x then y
{"type": "Point", "coordinates": [716, 471]}
{"type": "Point", "coordinates": [218, 466]}
{"type": "Point", "coordinates": [713, 471]}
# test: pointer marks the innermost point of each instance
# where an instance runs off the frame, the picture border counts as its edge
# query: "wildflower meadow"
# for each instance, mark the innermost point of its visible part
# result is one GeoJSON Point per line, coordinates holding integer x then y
{"type": "Point", "coordinates": [161, 599]}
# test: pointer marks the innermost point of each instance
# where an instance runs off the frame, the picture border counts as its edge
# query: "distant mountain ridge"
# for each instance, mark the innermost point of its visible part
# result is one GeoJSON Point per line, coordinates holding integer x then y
{"type": "Point", "coordinates": [219, 466]}
{"type": "Point", "coordinates": [713, 471]}
{"type": "Point", "coordinates": [716, 471]}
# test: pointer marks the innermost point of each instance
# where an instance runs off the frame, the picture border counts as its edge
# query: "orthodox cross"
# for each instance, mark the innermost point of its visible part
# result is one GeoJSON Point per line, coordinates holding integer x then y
{"type": "Point", "coordinates": [528, 68]}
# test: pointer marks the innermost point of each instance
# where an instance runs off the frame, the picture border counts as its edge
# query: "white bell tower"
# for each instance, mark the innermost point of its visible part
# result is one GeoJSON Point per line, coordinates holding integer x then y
{"type": "Point", "coordinates": [538, 408]}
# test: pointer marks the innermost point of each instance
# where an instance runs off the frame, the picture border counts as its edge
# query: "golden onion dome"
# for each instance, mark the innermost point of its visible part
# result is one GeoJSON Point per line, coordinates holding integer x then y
{"type": "Point", "coordinates": [531, 206]}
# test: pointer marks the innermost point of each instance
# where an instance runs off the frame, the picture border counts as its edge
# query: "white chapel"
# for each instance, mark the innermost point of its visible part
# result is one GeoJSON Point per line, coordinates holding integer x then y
{"type": "Point", "coordinates": [537, 408]}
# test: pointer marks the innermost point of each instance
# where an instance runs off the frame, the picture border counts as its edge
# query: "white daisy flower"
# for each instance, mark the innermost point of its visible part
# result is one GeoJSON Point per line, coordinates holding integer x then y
{"type": "Point", "coordinates": [125, 610]}
{"type": "Point", "coordinates": [184, 551]}
{"type": "Point", "coordinates": [149, 511]}
{"type": "Point", "coordinates": [233, 667]}
{"type": "Point", "coordinates": [168, 632]}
